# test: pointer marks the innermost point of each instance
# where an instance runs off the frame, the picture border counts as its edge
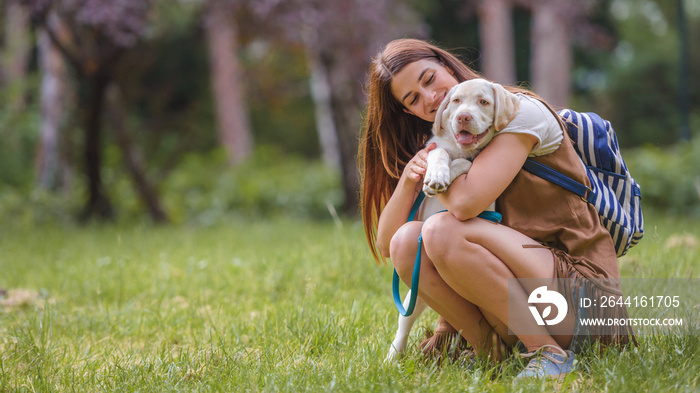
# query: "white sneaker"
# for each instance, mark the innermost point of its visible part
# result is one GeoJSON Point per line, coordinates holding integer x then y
{"type": "Point", "coordinates": [553, 362]}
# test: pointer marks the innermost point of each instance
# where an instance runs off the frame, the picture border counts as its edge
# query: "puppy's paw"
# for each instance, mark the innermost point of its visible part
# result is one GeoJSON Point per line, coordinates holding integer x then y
{"type": "Point", "coordinates": [429, 191]}
{"type": "Point", "coordinates": [437, 179]}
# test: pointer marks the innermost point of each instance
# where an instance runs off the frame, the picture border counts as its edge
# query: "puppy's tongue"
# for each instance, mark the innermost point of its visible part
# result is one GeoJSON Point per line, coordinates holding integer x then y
{"type": "Point", "coordinates": [466, 138]}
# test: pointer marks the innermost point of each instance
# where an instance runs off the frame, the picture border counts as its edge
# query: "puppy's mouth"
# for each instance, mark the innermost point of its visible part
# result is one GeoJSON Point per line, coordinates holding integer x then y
{"type": "Point", "coordinates": [466, 138]}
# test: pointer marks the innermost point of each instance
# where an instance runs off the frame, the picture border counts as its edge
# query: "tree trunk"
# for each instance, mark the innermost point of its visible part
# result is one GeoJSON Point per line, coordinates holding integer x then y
{"type": "Point", "coordinates": [347, 135]}
{"type": "Point", "coordinates": [16, 53]}
{"type": "Point", "coordinates": [346, 113]}
{"type": "Point", "coordinates": [52, 110]}
{"type": "Point", "coordinates": [684, 77]}
{"type": "Point", "coordinates": [226, 78]}
{"type": "Point", "coordinates": [133, 159]}
{"type": "Point", "coordinates": [497, 41]}
{"type": "Point", "coordinates": [98, 204]}
{"type": "Point", "coordinates": [323, 109]}
{"type": "Point", "coordinates": [551, 53]}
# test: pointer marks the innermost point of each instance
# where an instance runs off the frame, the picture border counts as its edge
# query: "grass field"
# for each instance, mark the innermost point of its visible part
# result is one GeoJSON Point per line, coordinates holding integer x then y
{"type": "Point", "coordinates": [274, 305]}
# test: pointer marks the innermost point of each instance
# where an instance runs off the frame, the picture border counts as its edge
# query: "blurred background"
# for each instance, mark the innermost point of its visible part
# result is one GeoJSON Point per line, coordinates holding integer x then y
{"type": "Point", "coordinates": [202, 111]}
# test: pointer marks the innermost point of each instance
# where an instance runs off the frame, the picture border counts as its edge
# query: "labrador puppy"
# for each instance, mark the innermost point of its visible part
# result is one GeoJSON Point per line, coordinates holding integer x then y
{"type": "Point", "coordinates": [466, 121]}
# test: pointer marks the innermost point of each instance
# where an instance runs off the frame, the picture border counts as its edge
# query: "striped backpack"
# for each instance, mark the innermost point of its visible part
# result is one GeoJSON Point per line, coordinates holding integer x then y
{"type": "Point", "coordinates": [614, 193]}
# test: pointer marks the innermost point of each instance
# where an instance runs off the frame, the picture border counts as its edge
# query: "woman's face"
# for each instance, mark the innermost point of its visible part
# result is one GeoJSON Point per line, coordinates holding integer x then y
{"type": "Point", "coordinates": [421, 86]}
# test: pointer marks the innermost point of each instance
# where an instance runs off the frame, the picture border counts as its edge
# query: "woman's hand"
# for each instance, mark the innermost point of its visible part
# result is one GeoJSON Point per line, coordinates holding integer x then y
{"type": "Point", "coordinates": [416, 167]}
{"type": "Point", "coordinates": [398, 207]}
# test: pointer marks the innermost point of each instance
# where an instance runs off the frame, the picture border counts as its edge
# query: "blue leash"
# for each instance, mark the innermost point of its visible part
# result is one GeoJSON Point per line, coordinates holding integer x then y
{"type": "Point", "coordinates": [488, 215]}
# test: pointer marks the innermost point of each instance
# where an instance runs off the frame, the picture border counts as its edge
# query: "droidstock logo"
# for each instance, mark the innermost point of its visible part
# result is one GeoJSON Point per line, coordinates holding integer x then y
{"type": "Point", "coordinates": [542, 295]}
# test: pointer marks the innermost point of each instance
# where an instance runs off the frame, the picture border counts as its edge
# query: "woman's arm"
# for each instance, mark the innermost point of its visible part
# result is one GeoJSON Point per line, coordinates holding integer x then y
{"type": "Point", "coordinates": [398, 207]}
{"type": "Point", "coordinates": [490, 174]}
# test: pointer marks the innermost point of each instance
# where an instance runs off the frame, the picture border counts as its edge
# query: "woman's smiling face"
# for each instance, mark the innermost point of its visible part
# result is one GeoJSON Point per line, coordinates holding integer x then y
{"type": "Point", "coordinates": [421, 86]}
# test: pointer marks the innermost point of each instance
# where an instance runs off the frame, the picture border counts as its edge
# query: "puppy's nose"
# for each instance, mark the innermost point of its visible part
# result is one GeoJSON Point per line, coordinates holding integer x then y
{"type": "Point", "coordinates": [464, 118]}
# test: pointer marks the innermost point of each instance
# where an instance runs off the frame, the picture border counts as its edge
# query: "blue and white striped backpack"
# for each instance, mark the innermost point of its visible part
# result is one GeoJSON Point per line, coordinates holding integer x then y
{"type": "Point", "coordinates": [614, 193]}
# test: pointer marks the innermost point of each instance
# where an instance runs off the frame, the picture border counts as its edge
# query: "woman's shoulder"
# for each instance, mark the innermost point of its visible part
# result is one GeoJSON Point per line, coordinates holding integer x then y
{"type": "Point", "coordinates": [533, 111]}
{"type": "Point", "coordinates": [536, 119]}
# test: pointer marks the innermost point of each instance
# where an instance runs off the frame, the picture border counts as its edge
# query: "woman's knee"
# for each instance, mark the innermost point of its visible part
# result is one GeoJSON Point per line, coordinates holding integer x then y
{"type": "Point", "coordinates": [403, 248]}
{"type": "Point", "coordinates": [436, 225]}
{"type": "Point", "coordinates": [440, 235]}
{"type": "Point", "coordinates": [443, 235]}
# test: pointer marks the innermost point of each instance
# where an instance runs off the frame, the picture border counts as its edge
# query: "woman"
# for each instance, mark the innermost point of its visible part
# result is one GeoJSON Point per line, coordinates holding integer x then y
{"type": "Point", "coordinates": [467, 261]}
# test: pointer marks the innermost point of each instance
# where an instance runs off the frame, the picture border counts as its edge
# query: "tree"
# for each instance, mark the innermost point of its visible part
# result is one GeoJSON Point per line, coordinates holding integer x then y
{"type": "Point", "coordinates": [551, 51]}
{"type": "Point", "coordinates": [683, 89]}
{"type": "Point", "coordinates": [132, 156]}
{"type": "Point", "coordinates": [97, 34]}
{"type": "Point", "coordinates": [226, 79]}
{"type": "Point", "coordinates": [552, 26]}
{"type": "Point", "coordinates": [322, 95]}
{"type": "Point", "coordinates": [643, 74]}
{"type": "Point", "coordinates": [17, 51]}
{"type": "Point", "coordinates": [497, 41]}
{"type": "Point", "coordinates": [339, 38]}
{"type": "Point", "coordinates": [53, 108]}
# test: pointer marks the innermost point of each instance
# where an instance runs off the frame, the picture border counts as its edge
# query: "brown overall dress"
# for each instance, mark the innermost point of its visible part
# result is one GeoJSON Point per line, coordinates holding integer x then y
{"type": "Point", "coordinates": [563, 222]}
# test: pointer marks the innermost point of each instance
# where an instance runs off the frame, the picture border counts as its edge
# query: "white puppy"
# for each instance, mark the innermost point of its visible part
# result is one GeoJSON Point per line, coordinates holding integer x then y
{"type": "Point", "coordinates": [466, 121]}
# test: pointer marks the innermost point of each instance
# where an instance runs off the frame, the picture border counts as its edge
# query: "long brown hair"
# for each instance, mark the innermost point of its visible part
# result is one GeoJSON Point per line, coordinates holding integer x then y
{"type": "Point", "coordinates": [391, 137]}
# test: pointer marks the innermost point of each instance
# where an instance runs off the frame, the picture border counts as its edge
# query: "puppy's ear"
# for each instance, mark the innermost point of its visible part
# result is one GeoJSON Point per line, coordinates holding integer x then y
{"type": "Point", "coordinates": [437, 124]}
{"type": "Point", "coordinates": [506, 106]}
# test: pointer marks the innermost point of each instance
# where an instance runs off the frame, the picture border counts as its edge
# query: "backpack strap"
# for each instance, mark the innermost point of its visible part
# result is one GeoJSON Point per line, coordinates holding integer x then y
{"type": "Point", "coordinates": [558, 178]}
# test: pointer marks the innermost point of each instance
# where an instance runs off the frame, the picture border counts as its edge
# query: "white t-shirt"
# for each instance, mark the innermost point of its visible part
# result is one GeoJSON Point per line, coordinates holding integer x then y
{"type": "Point", "coordinates": [535, 119]}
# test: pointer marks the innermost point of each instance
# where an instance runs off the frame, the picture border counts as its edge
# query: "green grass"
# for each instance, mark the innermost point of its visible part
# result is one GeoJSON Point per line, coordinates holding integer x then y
{"type": "Point", "coordinates": [273, 305]}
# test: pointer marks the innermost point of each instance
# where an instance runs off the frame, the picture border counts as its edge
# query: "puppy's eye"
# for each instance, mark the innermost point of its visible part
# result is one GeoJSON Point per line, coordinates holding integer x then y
{"type": "Point", "coordinates": [483, 102]}
{"type": "Point", "coordinates": [456, 100]}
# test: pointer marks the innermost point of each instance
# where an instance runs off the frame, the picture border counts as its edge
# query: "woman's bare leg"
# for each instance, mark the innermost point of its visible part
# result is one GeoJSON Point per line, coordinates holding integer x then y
{"type": "Point", "coordinates": [477, 328]}
{"type": "Point", "coordinates": [476, 258]}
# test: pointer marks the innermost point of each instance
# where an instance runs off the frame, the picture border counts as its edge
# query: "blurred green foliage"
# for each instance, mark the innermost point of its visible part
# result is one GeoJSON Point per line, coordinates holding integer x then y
{"type": "Point", "coordinates": [635, 83]}
{"type": "Point", "coordinates": [628, 74]}
{"type": "Point", "coordinates": [205, 191]}
{"type": "Point", "coordinates": [165, 84]}
{"type": "Point", "coordinates": [19, 132]}
{"type": "Point", "coordinates": [202, 191]}
{"type": "Point", "coordinates": [669, 177]}
{"type": "Point", "coordinates": [279, 98]}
